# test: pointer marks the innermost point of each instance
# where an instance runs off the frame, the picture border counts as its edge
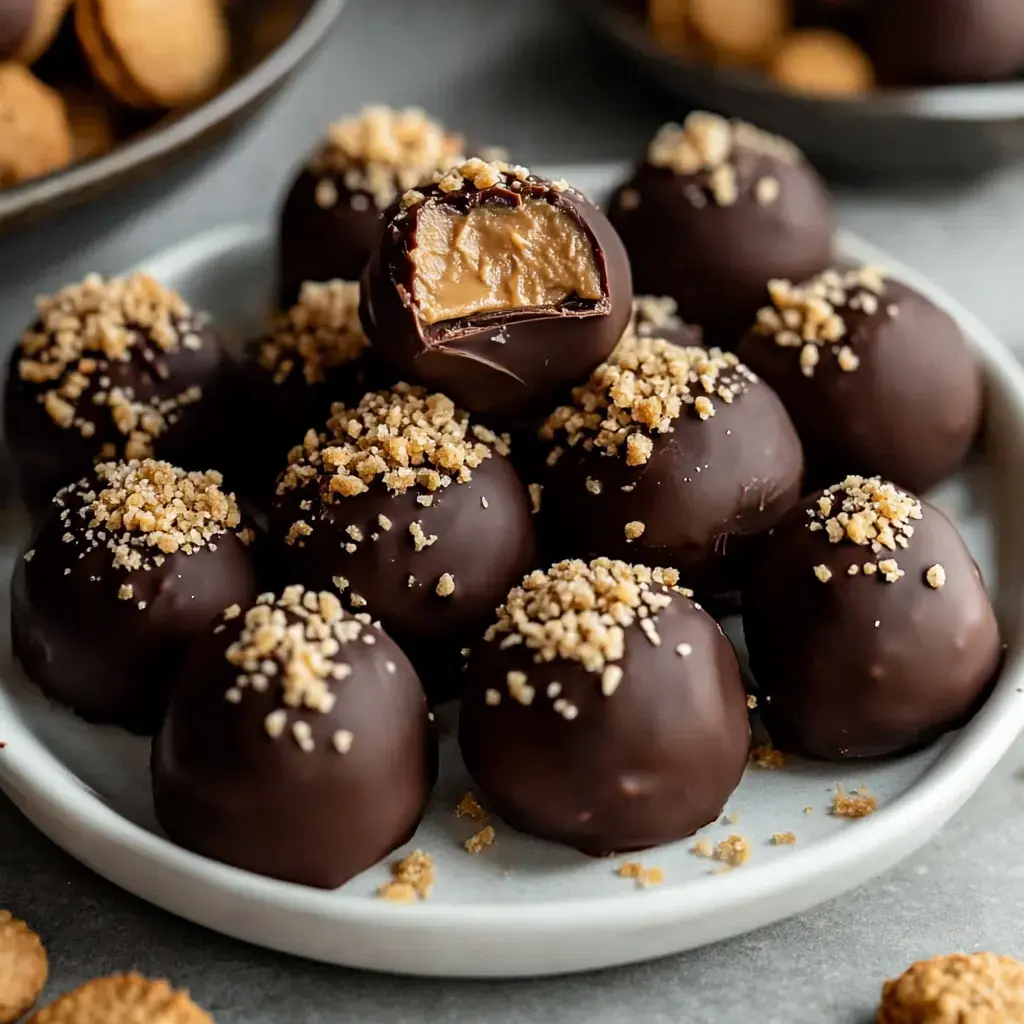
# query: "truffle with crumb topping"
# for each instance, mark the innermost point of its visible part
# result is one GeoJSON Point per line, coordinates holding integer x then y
{"type": "Point", "coordinates": [329, 219]}
{"type": "Point", "coordinates": [497, 287]}
{"type": "Point", "coordinates": [315, 354]}
{"type": "Point", "coordinates": [671, 456]}
{"type": "Point", "coordinates": [714, 211]}
{"type": "Point", "coordinates": [877, 378]}
{"type": "Point", "coordinates": [112, 368]}
{"type": "Point", "coordinates": [413, 513]}
{"type": "Point", "coordinates": [297, 742]}
{"type": "Point", "coordinates": [126, 569]}
{"type": "Point", "coordinates": [867, 624]}
{"type": "Point", "coordinates": [581, 722]}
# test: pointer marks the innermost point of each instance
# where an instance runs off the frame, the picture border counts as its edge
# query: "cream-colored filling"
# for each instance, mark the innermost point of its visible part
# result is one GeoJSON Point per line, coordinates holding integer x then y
{"type": "Point", "coordinates": [498, 258]}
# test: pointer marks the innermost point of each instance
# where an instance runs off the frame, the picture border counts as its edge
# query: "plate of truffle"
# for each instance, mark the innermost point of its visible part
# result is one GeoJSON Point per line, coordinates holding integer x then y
{"type": "Point", "coordinates": [558, 585]}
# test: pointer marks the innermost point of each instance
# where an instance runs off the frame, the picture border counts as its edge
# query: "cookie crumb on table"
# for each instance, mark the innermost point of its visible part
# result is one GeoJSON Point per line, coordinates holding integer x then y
{"type": "Point", "coordinates": [858, 804]}
{"type": "Point", "coordinates": [765, 756]}
{"type": "Point", "coordinates": [412, 879]}
{"type": "Point", "coordinates": [783, 839]}
{"type": "Point", "coordinates": [733, 851]}
{"type": "Point", "coordinates": [643, 877]}
{"type": "Point", "coordinates": [479, 841]}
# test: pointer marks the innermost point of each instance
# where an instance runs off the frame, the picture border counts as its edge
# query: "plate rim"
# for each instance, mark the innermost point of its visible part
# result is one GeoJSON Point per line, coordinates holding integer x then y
{"type": "Point", "coordinates": [54, 792]}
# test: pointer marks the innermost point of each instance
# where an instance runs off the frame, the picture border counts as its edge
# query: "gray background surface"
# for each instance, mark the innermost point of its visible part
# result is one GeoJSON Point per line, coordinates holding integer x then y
{"type": "Point", "coordinates": [523, 75]}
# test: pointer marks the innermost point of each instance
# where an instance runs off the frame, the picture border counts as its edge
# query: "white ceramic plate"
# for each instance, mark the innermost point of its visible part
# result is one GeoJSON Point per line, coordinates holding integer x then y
{"type": "Point", "coordinates": [525, 907]}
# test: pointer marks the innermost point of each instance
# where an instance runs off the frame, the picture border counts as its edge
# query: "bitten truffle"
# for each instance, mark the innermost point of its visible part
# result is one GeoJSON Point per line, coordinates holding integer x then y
{"type": "Point", "coordinates": [497, 287]}
{"type": "Point", "coordinates": [672, 456]}
{"type": "Point", "coordinates": [126, 569]}
{"type": "Point", "coordinates": [716, 210]}
{"type": "Point", "coordinates": [329, 219]}
{"type": "Point", "coordinates": [877, 378]}
{"type": "Point", "coordinates": [112, 367]}
{"type": "Point", "coordinates": [604, 710]}
{"type": "Point", "coordinates": [867, 623]}
{"type": "Point", "coordinates": [315, 355]}
{"type": "Point", "coordinates": [297, 742]}
{"type": "Point", "coordinates": [412, 512]}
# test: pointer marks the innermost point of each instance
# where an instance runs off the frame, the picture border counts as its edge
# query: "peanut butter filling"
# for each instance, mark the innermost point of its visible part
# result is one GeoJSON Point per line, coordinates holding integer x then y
{"type": "Point", "coordinates": [500, 258]}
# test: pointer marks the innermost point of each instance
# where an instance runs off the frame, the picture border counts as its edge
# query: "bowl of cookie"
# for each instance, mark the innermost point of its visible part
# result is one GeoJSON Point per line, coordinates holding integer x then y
{"type": "Point", "coordinates": [870, 89]}
{"type": "Point", "coordinates": [94, 93]}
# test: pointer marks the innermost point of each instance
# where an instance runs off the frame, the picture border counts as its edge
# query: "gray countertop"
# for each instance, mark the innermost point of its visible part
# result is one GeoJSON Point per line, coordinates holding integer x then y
{"type": "Point", "coordinates": [523, 74]}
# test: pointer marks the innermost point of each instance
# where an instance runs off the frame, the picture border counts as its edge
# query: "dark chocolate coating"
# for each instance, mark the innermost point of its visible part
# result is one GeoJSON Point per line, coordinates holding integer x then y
{"type": "Point", "coordinates": [650, 764]}
{"type": "Point", "coordinates": [708, 492]}
{"type": "Point", "coordinates": [48, 457]}
{"type": "Point", "coordinates": [319, 244]}
{"type": "Point", "coordinates": [936, 42]}
{"type": "Point", "coordinates": [487, 550]}
{"type": "Point", "coordinates": [716, 261]}
{"type": "Point", "coordinates": [104, 657]}
{"type": "Point", "coordinates": [908, 413]}
{"type": "Point", "coordinates": [16, 17]}
{"type": "Point", "coordinates": [223, 788]}
{"type": "Point", "coordinates": [835, 685]}
{"type": "Point", "coordinates": [509, 363]}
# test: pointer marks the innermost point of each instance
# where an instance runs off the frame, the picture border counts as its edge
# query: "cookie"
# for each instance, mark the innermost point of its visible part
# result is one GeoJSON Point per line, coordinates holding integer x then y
{"type": "Point", "coordinates": [34, 135]}
{"type": "Point", "coordinates": [747, 30]}
{"type": "Point", "coordinates": [22, 967]}
{"type": "Point", "coordinates": [122, 999]}
{"type": "Point", "coordinates": [27, 27]}
{"type": "Point", "coordinates": [151, 54]}
{"type": "Point", "coordinates": [962, 988]}
{"type": "Point", "coordinates": [822, 62]}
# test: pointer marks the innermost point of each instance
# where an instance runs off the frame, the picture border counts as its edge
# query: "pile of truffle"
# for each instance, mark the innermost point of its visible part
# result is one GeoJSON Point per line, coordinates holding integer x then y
{"type": "Point", "coordinates": [488, 471]}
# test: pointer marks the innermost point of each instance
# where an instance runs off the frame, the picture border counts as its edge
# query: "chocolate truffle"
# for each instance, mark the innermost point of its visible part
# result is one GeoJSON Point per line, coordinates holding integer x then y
{"type": "Point", "coordinates": [877, 378]}
{"type": "Point", "coordinates": [314, 355]}
{"type": "Point", "coordinates": [934, 42]}
{"type": "Point", "coordinates": [329, 220]}
{"type": "Point", "coordinates": [497, 287]}
{"type": "Point", "coordinates": [297, 742]}
{"type": "Point", "coordinates": [867, 623]}
{"type": "Point", "coordinates": [673, 456]}
{"type": "Point", "coordinates": [127, 568]}
{"type": "Point", "coordinates": [716, 210]}
{"type": "Point", "coordinates": [604, 710]}
{"type": "Point", "coordinates": [414, 513]}
{"type": "Point", "coordinates": [112, 367]}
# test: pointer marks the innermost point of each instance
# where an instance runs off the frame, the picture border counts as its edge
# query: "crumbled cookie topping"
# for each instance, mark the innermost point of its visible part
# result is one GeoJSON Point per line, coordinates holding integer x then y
{"type": "Point", "coordinates": [580, 612]}
{"type": "Point", "coordinates": [85, 328]}
{"type": "Point", "coordinates": [810, 317]}
{"type": "Point", "coordinates": [412, 879]}
{"type": "Point", "coordinates": [646, 384]}
{"type": "Point", "coordinates": [479, 841]}
{"type": "Point", "coordinates": [707, 143]}
{"type": "Point", "coordinates": [143, 511]}
{"type": "Point", "coordinates": [733, 851]}
{"type": "Point", "coordinates": [961, 988]}
{"type": "Point", "coordinates": [858, 804]}
{"type": "Point", "coordinates": [320, 332]}
{"type": "Point", "coordinates": [405, 438]}
{"type": "Point", "coordinates": [870, 513]}
{"type": "Point", "coordinates": [767, 757]}
{"type": "Point", "coordinates": [783, 839]}
{"type": "Point", "coordinates": [382, 152]}
{"type": "Point", "coordinates": [643, 877]}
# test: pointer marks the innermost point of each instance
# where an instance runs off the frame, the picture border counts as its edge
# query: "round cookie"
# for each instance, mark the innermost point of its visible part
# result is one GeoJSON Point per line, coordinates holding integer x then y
{"type": "Point", "coordinates": [23, 968]}
{"type": "Point", "coordinates": [111, 367]}
{"type": "Point", "coordinates": [670, 456]}
{"type": "Point", "coordinates": [714, 211]}
{"type": "Point", "coordinates": [877, 378]}
{"type": "Point", "coordinates": [129, 566]}
{"type": "Point", "coordinates": [329, 221]}
{"type": "Point", "coordinates": [320, 718]}
{"type": "Point", "coordinates": [497, 287]}
{"type": "Point", "coordinates": [122, 999]}
{"type": "Point", "coordinates": [35, 138]}
{"type": "Point", "coordinates": [604, 710]}
{"type": "Point", "coordinates": [415, 513]}
{"type": "Point", "coordinates": [867, 624]}
{"type": "Point", "coordinates": [938, 42]}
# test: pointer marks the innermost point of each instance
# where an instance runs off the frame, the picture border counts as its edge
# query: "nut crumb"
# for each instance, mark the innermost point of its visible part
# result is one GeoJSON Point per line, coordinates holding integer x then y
{"type": "Point", "coordinates": [858, 804]}
{"type": "Point", "coordinates": [765, 756]}
{"type": "Point", "coordinates": [445, 585]}
{"type": "Point", "coordinates": [936, 576]}
{"type": "Point", "coordinates": [751, 701]}
{"type": "Point", "coordinates": [412, 879]}
{"type": "Point", "coordinates": [535, 497]}
{"type": "Point", "coordinates": [641, 875]}
{"type": "Point", "coordinates": [733, 851]}
{"type": "Point", "coordinates": [783, 838]}
{"type": "Point", "coordinates": [634, 530]}
{"type": "Point", "coordinates": [702, 848]}
{"type": "Point", "coordinates": [469, 807]}
{"type": "Point", "coordinates": [823, 572]}
{"type": "Point", "coordinates": [479, 841]}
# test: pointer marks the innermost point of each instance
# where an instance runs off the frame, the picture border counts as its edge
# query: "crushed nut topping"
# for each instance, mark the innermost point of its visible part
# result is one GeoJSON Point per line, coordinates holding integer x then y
{"type": "Point", "coordinates": [810, 317]}
{"type": "Point", "coordinates": [381, 152]}
{"type": "Point", "coordinates": [641, 875]}
{"type": "Point", "coordinates": [858, 804]}
{"type": "Point", "coordinates": [85, 329]}
{"type": "Point", "coordinates": [469, 807]}
{"type": "Point", "coordinates": [294, 643]}
{"type": "Point", "coordinates": [405, 437]}
{"type": "Point", "coordinates": [412, 879]}
{"type": "Point", "coordinates": [320, 332]}
{"type": "Point", "coordinates": [935, 577]}
{"type": "Point", "coordinates": [870, 513]}
{"type": "Point", "coordinates": [646, 384]}
{"type": "Point", "coordinates": [445, 585]}
{"type": "Point", "coordinates": [479, 841]}
{"type": "Point", "coordinates": [706, 143]}
{"type": "Point", "coordinates": [733, 851]}
{"type": "Point", "coordinates": [143, 511]}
